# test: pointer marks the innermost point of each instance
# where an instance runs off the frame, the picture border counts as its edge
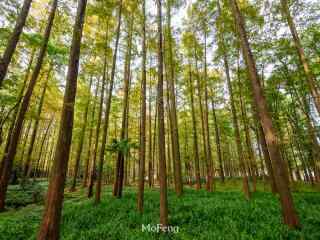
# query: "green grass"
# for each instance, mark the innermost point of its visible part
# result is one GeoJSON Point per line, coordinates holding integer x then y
{"type": "Point", "coordinates": [223, 214]}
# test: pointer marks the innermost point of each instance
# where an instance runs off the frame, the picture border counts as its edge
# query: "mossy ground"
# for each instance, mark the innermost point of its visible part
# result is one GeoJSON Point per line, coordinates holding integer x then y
{"type": "Point", "coordinates": [223, 214]}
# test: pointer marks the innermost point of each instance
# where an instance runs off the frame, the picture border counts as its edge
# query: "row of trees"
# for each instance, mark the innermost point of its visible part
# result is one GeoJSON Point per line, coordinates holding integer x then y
{"type": "Point", "coordinates": [224, 96]}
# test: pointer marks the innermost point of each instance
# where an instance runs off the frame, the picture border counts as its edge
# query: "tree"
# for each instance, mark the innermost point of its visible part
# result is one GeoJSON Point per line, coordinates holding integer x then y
{"type": "Point", "coordinates": [13, 40]}
{"type": "Point", "coordinates": [161, 131]}
{"type": "Point", "coordinates": [15, 135]}
{"type": "Point", "coordinates": [49, 228]}
{"type": "Point", "coordinates": [142, 149]}
{"type": "Point", "coordinates": [290, 217]}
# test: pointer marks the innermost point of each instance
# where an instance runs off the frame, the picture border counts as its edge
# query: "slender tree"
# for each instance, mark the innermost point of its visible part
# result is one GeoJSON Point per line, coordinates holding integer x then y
{"type": "Point", "coordinates": [290, 217]}
{"type": "Point", "coordinates": [108, 104]}
{"type": "Point", "coordinates": [142, 149]}
{"type": "Point", "coordinates": [49, 227]}
{"type": "Point", "coordinates": [161, 130]}
{"type": "Point", "coordinates": [81, 140]}
{"type": "Point", "coordinates": [9, 156]}
{"type": "Point", "coordinates": [14, 39]}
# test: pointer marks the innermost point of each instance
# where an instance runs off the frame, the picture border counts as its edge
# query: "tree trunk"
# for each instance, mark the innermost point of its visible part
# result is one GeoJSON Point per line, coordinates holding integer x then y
{"type": "Point", "coordinates": [311, 80]}
{"type": "Point", "coordinates": [161, 130]}
{"type": "Point", "coordinates": [13, 40]}
{"type": "Point", "coordinates": [49, 227]}
{"type": "Point", "coordinates": [81, 141]}
{"type": "Point", "coordinates": [108, 106]}
{"type": "Point", "coordinates": [195, 134]}
{"type": "Point", "coordinates": [142, 139]}
{"type": "Point", "coordinates": [9, 156]}
{"type": "Point", "coordinates": [246, 189]}
{"type": "Point", "coordinates": [288, 211]}
{"type": "Point", "coordinates": [218, 142]}
{"type": "Point", "coordinates": [35, 127]}
{"type": "Point", "coordinates": [118, 185]}
{"type": "Point", "coordinates": [88, 157]}
{"type": "Point", "coordinates": [173, 112]}
{"type": "Point", "coordinates": [210, 183]}
{"type": "Point", "coordinates": [93, 173]}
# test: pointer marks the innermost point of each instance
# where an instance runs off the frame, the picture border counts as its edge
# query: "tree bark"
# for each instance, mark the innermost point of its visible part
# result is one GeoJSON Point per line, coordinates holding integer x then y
{"type": "Point", "coordinates": [108, 106]}
{"type": "Point", "coordinates": [161, 130]}
{"type": "Point", "coordinates": [173, 112]}
{"type": "Point", "coordinates": [49, 227]}
{"type": "Point", "coordinates": [143, 117]}
{"type": "Point", "coordinates": [195, 134]}
{"type": "Point", "coordinates": [14, 39]}
{"type": "Point", "coordinates": [35, 127]}
{"type": "Point", "coordinates": [290, 217]}
{"type": "Point", "coordinates": [118, 185]}
{"type": "Point", "coordinates": [311, 80]}
{"type": "Point", "coordinates": [9, 156]}
{"type": "Point", "coordinates": [81, 141]}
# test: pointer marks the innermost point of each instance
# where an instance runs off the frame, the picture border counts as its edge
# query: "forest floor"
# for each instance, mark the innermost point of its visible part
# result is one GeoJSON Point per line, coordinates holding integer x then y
{"type": "Point", "coordinates": [223, 214]}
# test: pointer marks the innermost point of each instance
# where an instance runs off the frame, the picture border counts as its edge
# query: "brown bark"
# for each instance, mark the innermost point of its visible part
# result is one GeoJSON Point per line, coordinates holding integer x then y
{"type": "Point", "coordinates": [13, 40]}
{"type": "Point", "coordinates": [93, 173]}
{"type": "Point", "coordinates": [243, 171]}
{"type": "Point", "coordinates": [210, 183]}
{"type": "Point", "coordinates": [288, 211]}
{"type": "Point", "coordinates": [251, 155]}
{"type": "Point", "coordinates": [142, 139]}
{"type": "Point", "coordinates": [218, 141]}
{"type": "Point", "coordinates": [108, 106]}
{"type": "Point", "coordinates": [161, 130]}
{"type": "Point", "coordinates": [88, 157]}
{"type": "Point", "coordinates": [118, 185]}
{"type": "Point", "coordinates": [35, 127]}
{"type": "Point", "coordinates": [49, 227]}
{"type": "Point", "coordinates": [81, 141]}
{"type": "Point", "coordinates": [9, 156]}
{"type": "Point", "coordinates": [203, 124]}
{"type": "Point", "coordinates": [173, 111]}
{"type": "Point", "coordinates": [311, 80]}
{"type": "Point", "coordinates": [195, 134]}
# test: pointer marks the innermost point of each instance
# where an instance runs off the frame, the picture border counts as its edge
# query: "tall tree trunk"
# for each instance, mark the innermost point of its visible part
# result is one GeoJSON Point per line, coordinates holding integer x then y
{"type": "Point", "coordinates": [246, 189]}
{"type": "Point", "coordinates": [218, 141]}
{"type": "Point", "coordinates": [36, 124]}
{"type": "Point", "coordinates": [16, 111]}
{"type": "Point", "coordinates": [81, 141]}
{"type": "Point", "coordinates": [203, 128]}
{"type": "Point", "coordinates": [93, 173]}
{"type": "Point", "coordinates": [245, 120]}
{"type": "Point", "coordinates": [37, 165]}
{"type": "Point", "coordinates": [210, 183]}
{"type": "Point", "coordinates": [143, 118]}
{"type": "Point", "coordinates": [9, 156]}
{"type": "Point", "coordinates": [195, 134]}
{"type": "Point", "coordinates": [108, 107]}
{"type": "Point", "coordinates": [288, 211]}
{"type": "Point", "coordinates": [49, 228]}
{"type": "Point", "coordinates": [161, 130]}
{"type": "Point", "coordinates": [150, 154]}
{"type": "Point", "coordinates": [311, 80]}
{"type": "Point", "coordinates": [13, 40]}
{"type": "Point", "coordinates": [118, 185]}
{"type": "Point", "coordinates": [88, 157]}
{"type": "Point", "coordinates": [173, 112]}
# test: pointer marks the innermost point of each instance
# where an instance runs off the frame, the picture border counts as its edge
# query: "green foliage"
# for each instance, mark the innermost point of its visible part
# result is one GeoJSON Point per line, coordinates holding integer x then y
{"type": "Point", "coordinates": [24, 194]}
{"type": "Point", "coordinates": [223, 214]}
{"type": "Point", "coordinates": [123, 146]}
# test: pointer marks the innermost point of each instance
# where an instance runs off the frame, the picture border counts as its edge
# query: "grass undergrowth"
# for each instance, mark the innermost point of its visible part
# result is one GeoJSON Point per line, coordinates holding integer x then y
{"type": "Point", "coordinates": [223, 214]}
